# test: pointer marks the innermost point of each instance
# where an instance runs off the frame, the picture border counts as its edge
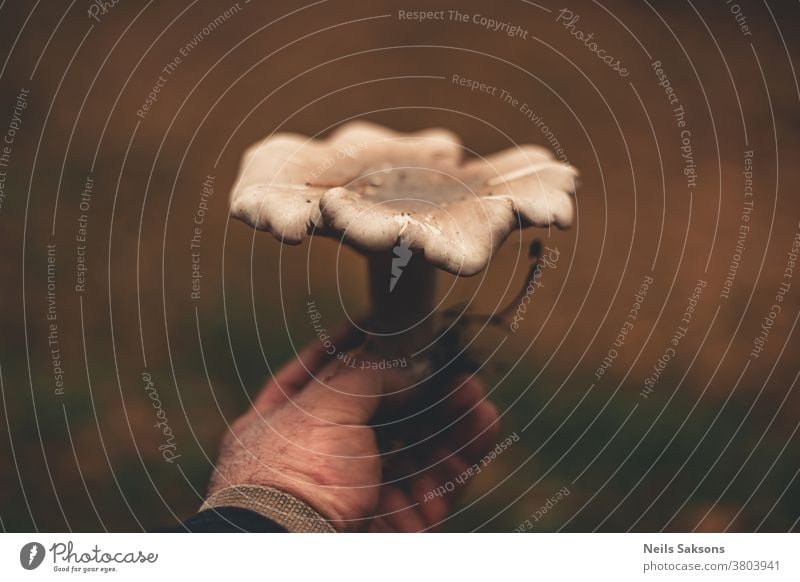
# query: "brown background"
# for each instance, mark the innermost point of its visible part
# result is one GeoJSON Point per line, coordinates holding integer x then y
{"type": "Point", "coordinates": [708, 450]}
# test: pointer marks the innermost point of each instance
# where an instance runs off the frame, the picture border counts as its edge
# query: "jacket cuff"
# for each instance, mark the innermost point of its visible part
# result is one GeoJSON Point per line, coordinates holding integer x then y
{"type": "Point", "coordinates": [278, 506]}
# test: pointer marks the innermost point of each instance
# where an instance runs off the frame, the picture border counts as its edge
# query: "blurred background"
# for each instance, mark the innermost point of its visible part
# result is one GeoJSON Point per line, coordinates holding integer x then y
{"type": "Point", "coordinates": [114, 117]}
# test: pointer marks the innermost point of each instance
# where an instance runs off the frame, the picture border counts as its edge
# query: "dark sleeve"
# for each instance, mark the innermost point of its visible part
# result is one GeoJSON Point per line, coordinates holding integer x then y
{"type": "Point", "coordinates": [226, 520]}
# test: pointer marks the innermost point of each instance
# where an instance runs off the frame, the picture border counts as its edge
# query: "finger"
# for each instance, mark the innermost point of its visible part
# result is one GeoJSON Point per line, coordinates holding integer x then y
{"type": "Point", "coordinates": [448, 467]}
{"type": "Point", "coordinates": [449, 472]}
{"type": "Point", "coordinates": [438, 401]}
{"type": "Point", "coordinates": [415, 425]}
{"type": "Point", "coordinates": [344, 395]}
{"type": "Point", "coordinates": [432, 508]}
{"type": "Point", "coordinates": [475, 433]}
{"type": "Point", "coordinates": [296, 374]}
{"type": "Point", "coordinates": [316, 354]}
{"type": "Point", "coordinates": [465, 392]}
{"type": "Point", "coordinates": [438, 485]}
{"type": "Point", "coordinates": [470, 436]}
{"type": "Point", "coordinates": [462, 395]}
{"type": "Point", "coordinates": [403, 465]}
{"type": "Point", "coordinates": [440, 466]}
{"type": "Point", "coordinates": [398, 512]}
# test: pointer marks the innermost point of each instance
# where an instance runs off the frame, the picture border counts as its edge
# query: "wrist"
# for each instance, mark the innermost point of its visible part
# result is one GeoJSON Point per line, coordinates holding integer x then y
{"type": "Point", "coordinates": [279, 506]}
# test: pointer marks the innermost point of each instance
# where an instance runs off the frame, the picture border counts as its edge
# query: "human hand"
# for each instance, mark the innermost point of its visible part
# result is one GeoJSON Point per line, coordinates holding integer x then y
{"type": "Point", "coordinates": [314, 431]}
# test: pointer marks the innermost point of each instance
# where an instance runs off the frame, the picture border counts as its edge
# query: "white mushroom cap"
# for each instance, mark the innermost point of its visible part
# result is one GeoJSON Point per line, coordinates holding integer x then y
{"type": "Point", "coordinates": [371, 187]}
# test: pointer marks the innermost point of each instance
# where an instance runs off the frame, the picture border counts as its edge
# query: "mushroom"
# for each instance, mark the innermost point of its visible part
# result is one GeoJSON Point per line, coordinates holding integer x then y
{"type": "Point", "coordinates": [408, 201]}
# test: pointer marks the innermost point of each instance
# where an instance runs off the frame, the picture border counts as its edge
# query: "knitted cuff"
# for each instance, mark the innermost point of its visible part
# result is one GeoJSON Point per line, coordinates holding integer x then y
{"type": "Point", "coordinates": [279, 506]}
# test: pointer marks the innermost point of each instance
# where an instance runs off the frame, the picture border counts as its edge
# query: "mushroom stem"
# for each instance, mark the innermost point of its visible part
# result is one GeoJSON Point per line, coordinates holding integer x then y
{"type": "Point", "coordinates": [402, 299]}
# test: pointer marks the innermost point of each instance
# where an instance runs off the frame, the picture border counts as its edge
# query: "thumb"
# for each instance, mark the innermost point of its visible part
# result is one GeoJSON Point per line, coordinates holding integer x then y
{"type": "Point", "coordinates": [349, 393]}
